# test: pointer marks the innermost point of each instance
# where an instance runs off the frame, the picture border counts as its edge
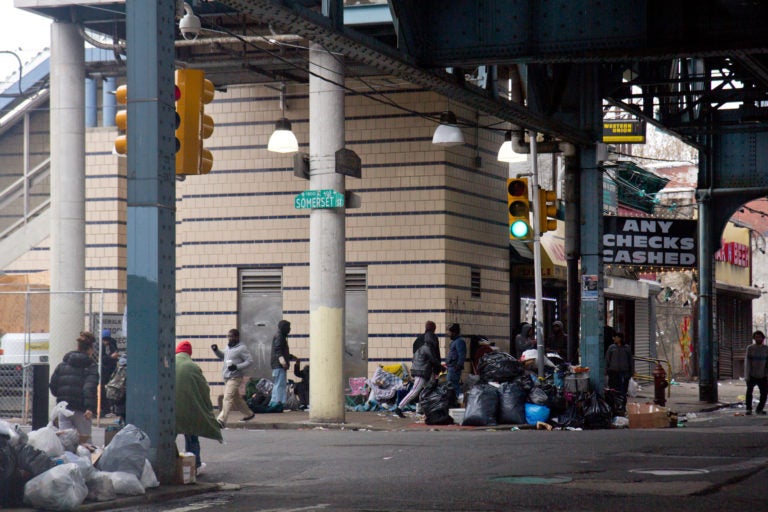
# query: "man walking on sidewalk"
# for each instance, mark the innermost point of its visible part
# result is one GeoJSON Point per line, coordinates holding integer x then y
{"type": "Point", "coordinates": [237, 358]}
{"type": "Point", "coordinates": [756, 374]}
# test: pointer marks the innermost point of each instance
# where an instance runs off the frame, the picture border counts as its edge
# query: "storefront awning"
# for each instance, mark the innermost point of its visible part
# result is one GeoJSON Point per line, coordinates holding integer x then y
{"type": "Point", "coordinates": [553, 262]}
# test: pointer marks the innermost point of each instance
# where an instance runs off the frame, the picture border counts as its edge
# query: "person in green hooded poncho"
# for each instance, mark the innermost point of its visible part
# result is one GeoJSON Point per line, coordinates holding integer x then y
{"type": "Point", "coordinates": [194, 411]}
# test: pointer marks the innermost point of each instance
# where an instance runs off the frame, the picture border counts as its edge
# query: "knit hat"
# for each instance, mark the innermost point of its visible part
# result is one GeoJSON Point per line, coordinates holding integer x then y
{"type": "Point", "coordinates": [106, 333]}
{"type": "Point", "coordinates": [454, 328]}
{"type": "Point", "coordinates": [184, 346]}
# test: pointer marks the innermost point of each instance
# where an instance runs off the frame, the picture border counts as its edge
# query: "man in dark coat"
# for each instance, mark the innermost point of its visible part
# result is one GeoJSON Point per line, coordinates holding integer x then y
{"type": "Point", "coordinates": [302, 387]}
{"type": "Point", "coordinates": [425, 365]}
{"type": "Point", "coordinates": [619, 364]}
{"type": "Point", "coordinates": [75, 381]}
{"type": "Point", "coordinates": [194, 411]}
{"type": "Point", "coordinates": [280, 361]}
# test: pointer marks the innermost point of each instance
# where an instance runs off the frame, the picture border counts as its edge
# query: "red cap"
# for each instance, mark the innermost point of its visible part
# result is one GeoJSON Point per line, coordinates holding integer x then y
{"type": "Point", "coordinates": [184, 346]}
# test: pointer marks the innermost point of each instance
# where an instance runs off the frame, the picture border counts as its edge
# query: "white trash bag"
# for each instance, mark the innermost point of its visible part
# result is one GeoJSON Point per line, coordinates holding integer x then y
{"type": "Point", "coordinates": [100, 487]}
{"type": "Point", "coordinates": [148, 477]}
{"type": "Point", "coordinates": [126, 452]}
{"type": "Point", "coordinates": [60, 488]}
{"type": "Point", "coordinates": [45, 439]}
{"type": "Point", "coordinates": [126, 483]}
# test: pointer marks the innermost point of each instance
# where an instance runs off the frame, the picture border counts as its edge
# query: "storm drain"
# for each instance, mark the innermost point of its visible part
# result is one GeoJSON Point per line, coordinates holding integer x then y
{"type": "Point", "coordinates": [532, 480]}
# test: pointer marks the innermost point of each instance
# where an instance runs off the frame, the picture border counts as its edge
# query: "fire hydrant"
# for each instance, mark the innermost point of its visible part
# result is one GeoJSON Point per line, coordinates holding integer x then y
{"type": "Point", "coordinates": [659, 385]}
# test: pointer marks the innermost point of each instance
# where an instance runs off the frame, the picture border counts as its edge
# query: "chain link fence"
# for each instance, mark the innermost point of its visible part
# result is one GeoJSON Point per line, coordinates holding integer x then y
{"type": "Point", "coordinates": [24, 343]}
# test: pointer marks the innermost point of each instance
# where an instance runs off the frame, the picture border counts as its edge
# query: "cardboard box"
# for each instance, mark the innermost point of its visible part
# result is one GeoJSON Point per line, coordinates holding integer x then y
{"type": "Point", "coordinates": [185, 468]}
{"type": "Point", "coordinates": [647, 416]}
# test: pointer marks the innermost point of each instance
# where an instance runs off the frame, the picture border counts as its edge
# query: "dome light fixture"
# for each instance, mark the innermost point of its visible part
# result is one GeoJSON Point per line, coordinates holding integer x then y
{"type": "Point", "coordinates": [282, 139]}
{"type": "Point", "coordinates": [448, 133]}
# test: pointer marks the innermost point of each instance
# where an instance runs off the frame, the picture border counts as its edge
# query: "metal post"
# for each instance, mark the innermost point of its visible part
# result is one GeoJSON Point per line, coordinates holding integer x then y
{"type": "Point", "coordinates": [151, 228]}
{"type": "Point", "coordinates": [707, 379]}
{"type": "Point", "coordinates": [536, 215]}
{"type": "Point", "coordinates": [571, 195]}
{"type": "Point", "coordinates": [592, 301]}
{"type": "Point", "coordinates": [327, 258]}
{"type": "Point", "coordinates": [67, 189]}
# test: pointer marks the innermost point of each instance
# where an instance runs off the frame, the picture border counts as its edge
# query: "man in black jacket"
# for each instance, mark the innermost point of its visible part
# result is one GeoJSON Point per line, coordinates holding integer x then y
{"type": "Point", "coordinates": [280, 361]}
{"type": "Point", "coordinates": [425, 364]}
{"type": "Point", "coordinates": [75, 381]}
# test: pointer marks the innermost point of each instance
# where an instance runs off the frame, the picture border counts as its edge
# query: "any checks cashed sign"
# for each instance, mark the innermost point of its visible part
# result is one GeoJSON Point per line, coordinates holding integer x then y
{"type": "Point", "coordinates": [649, 242]}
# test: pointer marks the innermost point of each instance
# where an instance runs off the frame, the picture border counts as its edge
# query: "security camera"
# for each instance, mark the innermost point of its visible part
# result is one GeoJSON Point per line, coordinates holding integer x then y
{"type": "Point", "coordinates": [189, 25]}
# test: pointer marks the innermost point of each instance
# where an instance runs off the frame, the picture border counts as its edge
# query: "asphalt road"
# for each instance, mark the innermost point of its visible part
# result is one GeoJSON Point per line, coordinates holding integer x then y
{"type": "Point", "coordinates": [716, 462]}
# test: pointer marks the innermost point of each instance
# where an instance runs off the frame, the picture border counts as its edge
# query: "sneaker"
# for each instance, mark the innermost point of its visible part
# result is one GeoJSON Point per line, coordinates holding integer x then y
{"type": "Point", "coordinates": [761, 412]}
{"type": "Point", "coordinates": [749, 412]}
{"type": "Point", "coordinates": [221, 423]}
{"type": "Point", "coordinates": [200, 468]}
{"type": "Point", "coordinates": [248, 418]}
{"type": "Point", "coordinates": [399, 412]}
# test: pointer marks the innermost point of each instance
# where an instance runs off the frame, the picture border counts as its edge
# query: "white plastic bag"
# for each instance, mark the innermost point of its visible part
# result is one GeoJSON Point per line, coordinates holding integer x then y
{"type": "Point", "coordinates": [100, 487]}
{"type": "Point", "coordinates": [126, 452]}
{"type": "Point", "coordinates": [633, 388]}
{"type": "Point", "coordinates": [17, 436]}
{"type": "Point", "coordinates": [46, 440]}
{"type": "Point", "coordinates": [60, 488]}
{"type": "Point", "coordinates": [148, 477]}
{"type": "Point", "coordinates": [84, 464]}
{"type": "Point", "coordinates": [126, 483]}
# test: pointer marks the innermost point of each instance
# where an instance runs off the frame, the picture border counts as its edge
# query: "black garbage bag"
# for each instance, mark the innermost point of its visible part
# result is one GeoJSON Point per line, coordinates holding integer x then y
{"type": "Point", "coordinates": [512, 397]}
{"type": "Point", "coordinates": [538, 396]}
{"type": "Point", "coordinates": [617, 401]}
{"type": "Point", "coordinates": [572, 417]}
{"type": "Point", "coordinates": [597, 413]}
{"type": "Point", "coordinates": [11, 480]}
{"type": "Point", "coordinates": [435, 400]}
{"type": "Point", "coordinates": [32, 460]}
{"type": "Point", "coordinates": [258, 402]}
{"type": "Point", "coordinates": [482, 406]}
{"type": "Point", "coordinates": [499, 367]}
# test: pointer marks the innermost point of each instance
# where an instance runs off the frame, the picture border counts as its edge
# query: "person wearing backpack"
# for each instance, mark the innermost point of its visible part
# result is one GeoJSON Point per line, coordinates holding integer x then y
{"type": "Point", "coordinates": [194, 411]}
{"type": "Point", "coordinates": [115, 389]}
{"type": "Point", "coordinates": [75, 381]}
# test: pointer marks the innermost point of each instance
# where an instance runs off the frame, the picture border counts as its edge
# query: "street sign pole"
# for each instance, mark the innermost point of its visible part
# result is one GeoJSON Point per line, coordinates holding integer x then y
{"type": "Point", "coordinates": [539, 313]}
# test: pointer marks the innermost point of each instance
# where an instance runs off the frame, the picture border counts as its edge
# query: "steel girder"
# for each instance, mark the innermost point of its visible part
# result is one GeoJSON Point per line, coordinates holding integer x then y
{"type": "Point", "coordinates": [291, 17]}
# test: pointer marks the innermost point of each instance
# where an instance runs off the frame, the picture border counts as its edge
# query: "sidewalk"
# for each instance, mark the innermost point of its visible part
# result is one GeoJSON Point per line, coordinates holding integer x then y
{"type": "Point", "coordinates": [683, 398]}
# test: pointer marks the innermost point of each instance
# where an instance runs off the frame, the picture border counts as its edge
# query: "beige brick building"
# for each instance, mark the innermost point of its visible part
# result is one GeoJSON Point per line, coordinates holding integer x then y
{"type": "Point", "coordinates": [429, 242]}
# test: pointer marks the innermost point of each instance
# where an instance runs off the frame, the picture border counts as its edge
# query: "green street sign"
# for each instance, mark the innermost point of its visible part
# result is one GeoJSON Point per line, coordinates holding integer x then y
{"type": "Point", "coordinates": [326, 198]}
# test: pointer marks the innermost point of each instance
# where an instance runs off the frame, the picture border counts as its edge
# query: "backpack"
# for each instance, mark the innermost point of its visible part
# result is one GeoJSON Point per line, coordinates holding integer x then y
{"type": "Point", "coordinates": [115, 389]}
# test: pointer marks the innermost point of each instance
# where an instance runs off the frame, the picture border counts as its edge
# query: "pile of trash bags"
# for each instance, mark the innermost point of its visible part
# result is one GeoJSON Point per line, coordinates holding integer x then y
{"type": "Point", "coordinates": [49, 469]}
{"type": "Point", "coordinates": [510, 392]}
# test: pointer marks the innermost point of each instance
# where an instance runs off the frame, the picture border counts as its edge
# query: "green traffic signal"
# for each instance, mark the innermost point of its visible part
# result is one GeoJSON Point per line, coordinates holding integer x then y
{"type": "Point", "coordinates": [519, 229]}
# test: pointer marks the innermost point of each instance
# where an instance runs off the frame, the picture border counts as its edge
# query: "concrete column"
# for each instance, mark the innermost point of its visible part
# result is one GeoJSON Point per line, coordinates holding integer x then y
{"type": "Point", "coordinates": [108, 101]}
{"type": "Point", "coordinates": [67, 188]}
{"type": "Point", "coordinates": [327, 258]}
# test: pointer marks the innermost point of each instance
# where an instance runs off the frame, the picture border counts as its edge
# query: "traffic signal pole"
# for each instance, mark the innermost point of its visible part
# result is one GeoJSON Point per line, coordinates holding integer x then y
{"type": "Point", "coordinates": [535, 216]}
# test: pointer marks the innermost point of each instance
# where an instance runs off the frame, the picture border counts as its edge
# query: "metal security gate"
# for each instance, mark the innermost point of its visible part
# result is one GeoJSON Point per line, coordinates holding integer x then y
{"type": "Point", "coordinates": [24, 343]}
{"type": "Point", "coordinates": [259, 310]}
{"type": "Point", "coordinates": [356, 325]}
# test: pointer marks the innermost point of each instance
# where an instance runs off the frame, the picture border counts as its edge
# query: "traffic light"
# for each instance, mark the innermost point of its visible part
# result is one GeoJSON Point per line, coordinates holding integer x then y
{"type": "Point", "coordinates": [519, 208]}
{"type": "Point", "coordinates": [547, 211]}
{"type": "Point", "coordinates": [121, 120]}
{"type": "Point", "coordinates": [193, 91]}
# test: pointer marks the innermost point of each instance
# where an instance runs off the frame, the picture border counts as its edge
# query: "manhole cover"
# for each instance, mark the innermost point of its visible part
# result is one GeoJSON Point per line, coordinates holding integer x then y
{"type": "Point", "coordinates": [670, 472]}
{"type": "Point", "coordinates": [532, 480]}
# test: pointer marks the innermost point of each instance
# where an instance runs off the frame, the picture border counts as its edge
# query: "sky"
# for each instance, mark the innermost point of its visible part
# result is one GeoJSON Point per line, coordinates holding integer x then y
{"type": "Point", "coordinates": [23, 33]}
